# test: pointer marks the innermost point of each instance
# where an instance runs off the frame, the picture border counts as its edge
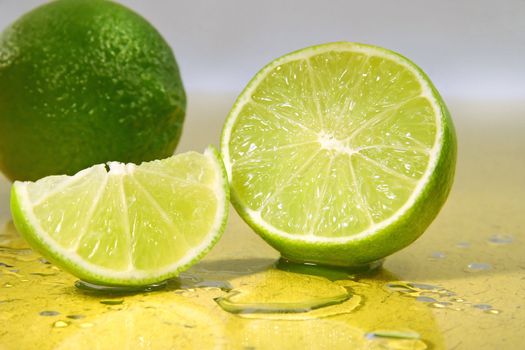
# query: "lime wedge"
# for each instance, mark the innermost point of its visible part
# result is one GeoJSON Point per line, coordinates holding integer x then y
{"type": "Point", "coordinates": [129, 225]}
{"type": "Point", "coordinates": [339, 154]}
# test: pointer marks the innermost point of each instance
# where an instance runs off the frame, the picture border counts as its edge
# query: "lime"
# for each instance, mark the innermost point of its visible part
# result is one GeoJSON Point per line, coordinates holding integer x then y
{"type": "Point", "coordinates": [129, 225]}
{"type": "Point", "coordinates": [339, 154]}
{"type": "Point", "coordinates": [84, 82]}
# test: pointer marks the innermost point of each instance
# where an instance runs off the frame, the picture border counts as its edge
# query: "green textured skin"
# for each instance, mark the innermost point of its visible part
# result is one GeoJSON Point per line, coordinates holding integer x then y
{"type": "Point", "coordinates": [35, 240]}
{"type": "Point", "coordinates": [84, 82]}
{"type": "Point", "coordinates": [384, 242]}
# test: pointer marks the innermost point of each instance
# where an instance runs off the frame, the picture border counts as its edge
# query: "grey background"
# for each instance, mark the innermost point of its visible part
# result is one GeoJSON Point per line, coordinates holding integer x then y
{"type": "Point", "coordinates": [470, 49]}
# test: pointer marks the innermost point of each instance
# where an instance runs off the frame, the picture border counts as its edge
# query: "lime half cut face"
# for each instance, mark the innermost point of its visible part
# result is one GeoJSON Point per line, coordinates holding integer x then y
{"type": "Point", "coordinates": [129, 224]}
{"type": "Point", "coordinates": [339, 154]}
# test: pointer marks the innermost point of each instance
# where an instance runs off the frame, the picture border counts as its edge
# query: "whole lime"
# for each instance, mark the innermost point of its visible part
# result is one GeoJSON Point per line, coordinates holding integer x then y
{"type": "Point", "coordinates": [84, 82]}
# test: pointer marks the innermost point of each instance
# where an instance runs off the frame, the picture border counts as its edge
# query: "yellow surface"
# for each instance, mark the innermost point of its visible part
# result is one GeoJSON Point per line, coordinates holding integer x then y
{"type": "Point", "coordinates": [425, 297]}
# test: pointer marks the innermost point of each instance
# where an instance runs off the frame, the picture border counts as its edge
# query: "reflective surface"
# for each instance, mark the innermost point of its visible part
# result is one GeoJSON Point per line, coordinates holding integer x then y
{"type": "Point", "coordinates": [460, 286]}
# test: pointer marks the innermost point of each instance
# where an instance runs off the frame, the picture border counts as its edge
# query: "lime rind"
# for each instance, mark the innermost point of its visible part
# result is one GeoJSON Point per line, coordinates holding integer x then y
{"type": "Point", "coordinates": [28, 225]}
{"type": "Point", "coordinates": [390, 235]}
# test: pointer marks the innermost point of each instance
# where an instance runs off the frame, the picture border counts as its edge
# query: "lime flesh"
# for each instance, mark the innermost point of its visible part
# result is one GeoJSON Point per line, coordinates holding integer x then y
{"type": "Point", "coordinates": [339, 154]}
{"type": "Point", "coordinates": [129, 225]}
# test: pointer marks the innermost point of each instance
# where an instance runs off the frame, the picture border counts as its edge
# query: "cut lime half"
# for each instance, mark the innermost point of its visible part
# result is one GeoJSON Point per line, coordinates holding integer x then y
{"type": "Point", "coordinates": [339, 154]}
{"type": "Point", "coordinates": [129, 225]}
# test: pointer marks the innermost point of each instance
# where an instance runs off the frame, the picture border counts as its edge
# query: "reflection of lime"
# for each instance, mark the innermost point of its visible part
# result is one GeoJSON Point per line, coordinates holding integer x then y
{"type": "Point", "coordinates": [131, 225]}
{"type": "Point", "coordinates": [339, 154]}
{"type": "Point", "coordinates": [83, 82]}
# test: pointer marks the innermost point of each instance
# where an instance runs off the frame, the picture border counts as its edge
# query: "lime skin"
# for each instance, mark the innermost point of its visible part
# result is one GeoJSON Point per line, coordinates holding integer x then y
{"type": "Point", "coordinates": [85, 82]}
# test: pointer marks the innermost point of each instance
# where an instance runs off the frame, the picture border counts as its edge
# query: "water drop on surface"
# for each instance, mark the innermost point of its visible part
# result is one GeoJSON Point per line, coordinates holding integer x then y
{"type": "Point", "coordinates": [276, 294]}
{"type": "Point", "coordinates": [222, 285]}
{"type": "Point", "coordinates": [500, 239]}
{"type": "Point", "coordinates": [60, 324]}
{"type": "Point", "coordinates": [458, 300]}
{"type": "Point", "coordinates": [440, 304]}
{"type": "Point", "coordinates": [426, 299]}
{"type": "Point", "coordinates": [437, 255]}
{"type": "Point", "coordinates": [404, 334]}
{"type": "Point", "coordinates": [49, 313]}
{"type": "Point", "coordinates": [493, 311]}
{"type": "Point", "coordinates": [399, 340]}
{"type": "Point", "coordinates": [463, 245]}
{"type": "Point", "coordinates": [75, 317]}
{"type": "Point", "coordinates": [44, 261]}
{"type": "Point", "coordinates": [476, 267]}
{"type": "Point", "coordinates": [423, 286]}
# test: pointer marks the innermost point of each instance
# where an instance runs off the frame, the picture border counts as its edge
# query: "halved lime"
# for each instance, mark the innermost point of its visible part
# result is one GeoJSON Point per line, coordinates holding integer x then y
{"type": "Point", "coordinates": [339, 154]}
{"type": "Point", "coordinates": [129, 225]}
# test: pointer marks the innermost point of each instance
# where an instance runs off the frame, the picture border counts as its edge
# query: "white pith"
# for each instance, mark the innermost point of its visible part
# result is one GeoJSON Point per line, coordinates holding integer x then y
{"type": "Point", "coordinates": [119, 169]}
{"type": "Point", "coordinates": [327, 142]}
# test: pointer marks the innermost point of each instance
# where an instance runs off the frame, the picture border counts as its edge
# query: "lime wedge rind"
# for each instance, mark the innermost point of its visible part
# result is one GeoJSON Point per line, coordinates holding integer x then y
{"type": "Point", "coordinates": [389, 235]}
{"type": "Point", "coordinates": [28, 225]}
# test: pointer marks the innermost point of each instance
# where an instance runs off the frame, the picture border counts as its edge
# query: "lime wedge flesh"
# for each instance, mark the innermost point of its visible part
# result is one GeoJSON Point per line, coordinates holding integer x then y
{"type": "Point", "coordinates": [340, 153]}
{"type": "Point", "coordinates": [129, 225]}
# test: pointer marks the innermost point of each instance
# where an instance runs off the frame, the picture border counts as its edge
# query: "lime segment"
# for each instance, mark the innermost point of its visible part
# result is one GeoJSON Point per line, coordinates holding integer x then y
{"type": "Point", "coordinates": [128, 225]}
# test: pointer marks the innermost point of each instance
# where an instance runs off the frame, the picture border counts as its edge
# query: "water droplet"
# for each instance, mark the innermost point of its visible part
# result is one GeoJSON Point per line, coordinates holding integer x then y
{"type": "Point", "coordinates": [403, 334]}
{"type": "Point", "coordinates": [7, 285]}
{"type": "Point", "coordinates": [43, 274]}
{"type": "Point", "coordinates": [49, 313]}
{"type": "Point", "coordinates": [440, 304]}
{"type": "Point", "coordinates": [423, 286]}
{"type": "Point", "coordinates": [400, 340]}
{"type": "Point", "coordinates": [60, 324]}
{"type": "Point", "coordinates": [437, 255]}
{"type": "Point", "coordinates": [184, 292]}
{"type": "Point", "coordinates": [75, 317]}
{"type": "Point", "coordinates": [493, 311]}
{"type": "Point", "coordinates": [112, 301]}
{"type": "Point", "coordinates": [426, 299]}
{"type": "Point", "coordinates": [44, 261]}
{"type": "Point", "coordinates": [500, 239]}
{"type": "Point", "coordinates": [402, 288]}
{"type": "Point", "coordinates": [476, 267]}
{"type": "Point", "coordinates": [458, 300]}
{"type": "Point", "coordinates": [5, 265]}
{"type": "Point", "coordinates": [222, 285]}
{"type": "Point", "coordinates": [463, 245]}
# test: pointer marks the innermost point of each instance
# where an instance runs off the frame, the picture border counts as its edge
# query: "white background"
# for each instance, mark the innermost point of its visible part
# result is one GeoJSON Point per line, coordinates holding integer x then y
{"type": "Point", "coordinates": [472, 49]}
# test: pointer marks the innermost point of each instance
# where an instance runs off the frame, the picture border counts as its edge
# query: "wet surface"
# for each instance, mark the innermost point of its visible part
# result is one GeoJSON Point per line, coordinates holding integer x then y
{"type": "Point", "coordinates": [460, 286]}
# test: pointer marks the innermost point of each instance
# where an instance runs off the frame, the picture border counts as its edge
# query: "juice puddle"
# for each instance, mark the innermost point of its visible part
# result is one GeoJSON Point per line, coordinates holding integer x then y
{"type": "Point", "coordinates": [277, 294]}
